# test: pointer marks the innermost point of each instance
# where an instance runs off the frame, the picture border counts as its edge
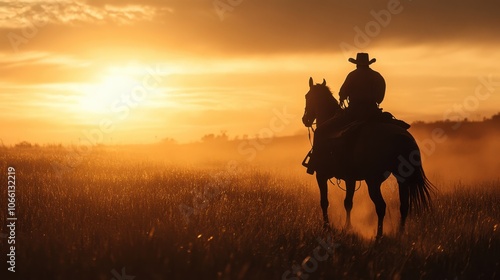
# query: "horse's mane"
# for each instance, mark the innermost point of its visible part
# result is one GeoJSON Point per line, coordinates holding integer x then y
{"type": "Point", "coordinates": [325, 94]}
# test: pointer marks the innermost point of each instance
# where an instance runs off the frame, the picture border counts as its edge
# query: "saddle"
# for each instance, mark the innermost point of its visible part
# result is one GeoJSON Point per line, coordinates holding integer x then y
{"type": "Point", "coordinates": [350, 128]}
{"type": "Point", "coordinates": [342, 141]}
{"type": "Point", "coordinates": [387, 117]}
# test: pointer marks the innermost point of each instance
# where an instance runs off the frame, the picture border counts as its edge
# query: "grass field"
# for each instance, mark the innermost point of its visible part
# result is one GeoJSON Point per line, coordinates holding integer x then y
{"type": "Point", "coordinates": [119, 215]}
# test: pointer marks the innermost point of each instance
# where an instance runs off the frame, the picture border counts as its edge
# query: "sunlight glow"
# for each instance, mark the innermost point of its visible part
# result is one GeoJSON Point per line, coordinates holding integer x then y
{"type": "Point", "coordinates": [99, 97]}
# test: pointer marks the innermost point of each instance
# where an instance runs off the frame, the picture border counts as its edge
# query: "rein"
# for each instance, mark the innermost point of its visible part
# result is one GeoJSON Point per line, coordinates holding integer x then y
{"type": "Point", "coordinates": [309, 128]}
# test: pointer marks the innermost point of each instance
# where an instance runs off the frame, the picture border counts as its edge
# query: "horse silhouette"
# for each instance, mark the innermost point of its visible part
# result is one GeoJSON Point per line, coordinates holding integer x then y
{"type": "Point", "coordinates": [378, 150]}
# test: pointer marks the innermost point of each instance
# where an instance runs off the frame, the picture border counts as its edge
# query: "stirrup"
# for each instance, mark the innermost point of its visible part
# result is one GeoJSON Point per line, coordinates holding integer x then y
{"type": "Point", "coordinates": [310, 171]}
{"type": "Point", "coordinates": [307, 160]}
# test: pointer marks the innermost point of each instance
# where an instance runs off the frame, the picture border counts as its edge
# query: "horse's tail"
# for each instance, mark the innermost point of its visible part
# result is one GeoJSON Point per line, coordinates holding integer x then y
{"type": "Point", "coordinates": [420, 189]}
{"type": "Point", "coordinates": [411, 175]}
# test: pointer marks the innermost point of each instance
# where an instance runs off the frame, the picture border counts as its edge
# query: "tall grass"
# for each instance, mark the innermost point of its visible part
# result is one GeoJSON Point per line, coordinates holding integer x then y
{"type": "Point", "coordinates": [160, 220]}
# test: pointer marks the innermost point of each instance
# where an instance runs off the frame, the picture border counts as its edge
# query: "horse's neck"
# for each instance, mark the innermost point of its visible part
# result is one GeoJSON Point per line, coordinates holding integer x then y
{"type": "Point", "coordinates": [326, 111]}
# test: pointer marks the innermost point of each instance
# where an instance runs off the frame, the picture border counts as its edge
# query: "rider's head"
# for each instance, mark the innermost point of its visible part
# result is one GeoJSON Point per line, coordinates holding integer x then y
{"type": "Point", "coordinates": [362, 60]}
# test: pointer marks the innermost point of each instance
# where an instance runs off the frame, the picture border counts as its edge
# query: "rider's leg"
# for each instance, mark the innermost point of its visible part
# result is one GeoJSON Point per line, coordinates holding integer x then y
{"type": "Point", "coordinates": [317, 150]}
{"type": "Point", "coordinates": [320, 143]}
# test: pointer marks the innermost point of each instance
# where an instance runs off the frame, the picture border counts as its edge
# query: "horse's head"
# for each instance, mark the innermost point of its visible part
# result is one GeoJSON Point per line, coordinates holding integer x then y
{"type": "Point", "coordinates": [320, 103]}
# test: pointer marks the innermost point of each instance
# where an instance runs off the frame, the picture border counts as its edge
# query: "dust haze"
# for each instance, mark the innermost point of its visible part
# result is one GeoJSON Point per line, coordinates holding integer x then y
{"type": "Point", "coordinates": [455, 154]}
{"type": "Point", "coordinates": [452, 151]}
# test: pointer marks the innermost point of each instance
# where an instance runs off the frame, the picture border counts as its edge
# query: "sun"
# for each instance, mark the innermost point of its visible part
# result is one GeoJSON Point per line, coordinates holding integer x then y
{"type": "Point", "coordinates": [99, 97]}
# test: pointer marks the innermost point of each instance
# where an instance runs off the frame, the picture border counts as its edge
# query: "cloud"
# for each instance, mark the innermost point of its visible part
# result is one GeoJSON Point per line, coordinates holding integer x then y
{"type": "Point", "coordinates": [321, 26]}
{"type": "Point", "coordinates": [252, 27]}
{"type": "Point", "coordinates": [25, 14]}
{"type": "Point", "coordinates": [29, 68]}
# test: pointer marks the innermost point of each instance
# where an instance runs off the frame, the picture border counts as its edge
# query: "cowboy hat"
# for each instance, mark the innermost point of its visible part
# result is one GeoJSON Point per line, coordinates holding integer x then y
{"type": "Point", "coordinates": [362, 59]}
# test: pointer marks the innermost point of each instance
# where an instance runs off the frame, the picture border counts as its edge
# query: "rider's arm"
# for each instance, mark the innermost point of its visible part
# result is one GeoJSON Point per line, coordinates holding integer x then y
{"type": "Point", "coordinates": [344, 89]}
{"type": "Point", "coordinates": [379, 90]}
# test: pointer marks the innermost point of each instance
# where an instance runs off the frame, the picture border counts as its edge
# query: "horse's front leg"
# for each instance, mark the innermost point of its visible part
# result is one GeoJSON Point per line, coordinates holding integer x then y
{"type": "Point", "coordinates": [323, 191]}
{"type": "Point", "coordinates": [349, 195]}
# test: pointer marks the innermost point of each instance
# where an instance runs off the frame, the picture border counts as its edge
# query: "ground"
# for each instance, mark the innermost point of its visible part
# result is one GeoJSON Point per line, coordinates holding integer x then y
{"type": "Point", "coordinates": [117, 214]}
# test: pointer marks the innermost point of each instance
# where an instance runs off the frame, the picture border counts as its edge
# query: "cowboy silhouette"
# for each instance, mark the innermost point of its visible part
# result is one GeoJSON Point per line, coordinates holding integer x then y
{"type": "Point", "coordinates": [364, 90]}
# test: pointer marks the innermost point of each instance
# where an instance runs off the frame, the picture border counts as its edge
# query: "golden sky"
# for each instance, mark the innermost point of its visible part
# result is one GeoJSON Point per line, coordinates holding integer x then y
{"type": "Point", "coordinates": [140, 71]}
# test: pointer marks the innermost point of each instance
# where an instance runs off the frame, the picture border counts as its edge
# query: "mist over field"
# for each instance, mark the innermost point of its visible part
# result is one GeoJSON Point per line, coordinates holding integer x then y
{"type": "Point", "coordinates": [456, 151]}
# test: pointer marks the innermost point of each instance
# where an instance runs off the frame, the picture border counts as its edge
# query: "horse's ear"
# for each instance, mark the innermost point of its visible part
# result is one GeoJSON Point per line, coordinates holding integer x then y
{"type": "Point", "coordinates": [311, 82]}
{"type": "Point", "coordinates": [324, 82]}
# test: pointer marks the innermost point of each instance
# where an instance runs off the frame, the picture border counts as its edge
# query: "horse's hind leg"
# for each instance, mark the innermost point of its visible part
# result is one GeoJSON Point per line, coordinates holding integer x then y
{"type": "Point", "coordinates": [323, 191]}
{"type": "Point", "coordinates": [376, 196]}
{"type": "Point", "coordinates": [404, 198]}
{"type": "Point", "coordinates": [349, 194]}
